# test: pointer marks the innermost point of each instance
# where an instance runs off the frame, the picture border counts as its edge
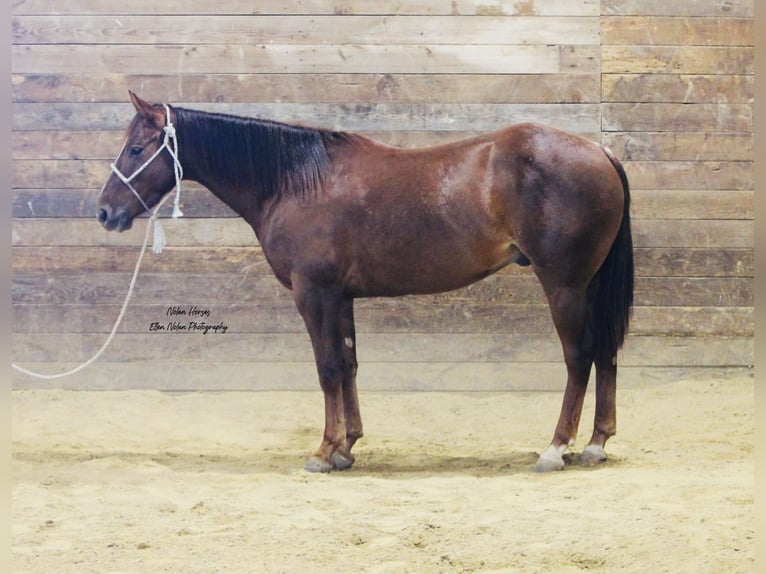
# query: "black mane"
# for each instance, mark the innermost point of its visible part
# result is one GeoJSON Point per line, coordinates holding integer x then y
{"type": "Point", "coordinates": [248, 154]}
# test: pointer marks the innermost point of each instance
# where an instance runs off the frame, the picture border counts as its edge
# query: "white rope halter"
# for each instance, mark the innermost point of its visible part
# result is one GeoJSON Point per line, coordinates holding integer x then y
{"type": "Point", "coordinates": [170, 139]}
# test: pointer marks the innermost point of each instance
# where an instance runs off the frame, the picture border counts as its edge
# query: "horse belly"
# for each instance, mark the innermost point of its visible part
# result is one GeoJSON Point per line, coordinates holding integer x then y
{"type": "Point", "coordinates": [425, 266]}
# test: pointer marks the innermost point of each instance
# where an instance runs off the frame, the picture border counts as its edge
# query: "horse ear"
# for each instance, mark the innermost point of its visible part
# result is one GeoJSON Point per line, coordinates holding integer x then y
{"type": "Point", "coordinates": [152, 112]}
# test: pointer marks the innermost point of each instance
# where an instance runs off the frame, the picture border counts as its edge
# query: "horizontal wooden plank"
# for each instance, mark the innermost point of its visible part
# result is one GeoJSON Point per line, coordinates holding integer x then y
{"type": "Point", "coordinates": [679, 31]}
{"type": "Point", "coordinates": [198, 202]}
{"type": "Point", "coordinates": [728, 9]}
{"type": "Point", "coordinates": [234, 347]}
{"type": "Point", "coordinates": [679, 88]}
{"type": "Point", "coordinates": [646, 146]}
{"type": "Point", "coordinates": [718, 262]}
{"type": "Point", "coordinates": [699, 234]}
{"type": "Point", "coordinates": [684, 146]}
{"type": "Point", "coordinates": [179, 232]}
{"type": "Point", "coordinates": [689, 204]}
{"type": "Point", "coordinates": [59, 260]}
{"type": "Point", "coordinates": [658, 117]}
{"type": "Point", "coordinates": [234, 232]}
{"type": "Point", "coordinates": [280, 7]}
{"type": "Point", "coordinates": [42, 145]}
{"type": "Point", "coordinates": [693, 291]}
{"type": "Point", "coordinates": [677, 60]}
{"type": "Point", "coordinates": [101, 288]}
{"type": "Point", "coordinates": [309, 88]}
{"type": "Point", "coordinates": [578, 118]}
{"type": "Point", "coordinates": [56, 203]}
{"type": "Point", "coordinates": [302, 59]}
{"type": "Point", "coordinates": [408, 315]}
{"type": "Point", "coordinates": [279, 315]}
{"type": "Point", "coordinates": [387, 349]}
{"type": "Point", "coordinates": [710, 175]}
{"type": "Point", "coordinates": [314, 29]}
{"type": "Point", "coordinates": [214, 376]}
{"type": "Point", "coordinates": [503, 287]}
{"type": "Point", "coordinates": [693, 321]}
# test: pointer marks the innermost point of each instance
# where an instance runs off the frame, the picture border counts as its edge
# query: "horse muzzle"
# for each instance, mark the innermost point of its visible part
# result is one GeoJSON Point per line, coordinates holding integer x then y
{"type": "Point", "coordinates": [118, 219]}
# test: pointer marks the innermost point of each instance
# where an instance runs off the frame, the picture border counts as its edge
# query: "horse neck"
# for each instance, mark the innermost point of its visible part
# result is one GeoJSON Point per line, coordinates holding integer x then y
{"type": "Point", "coordinates": [250, 163]}
{"type": "Point", "coordinates": [207, 164]}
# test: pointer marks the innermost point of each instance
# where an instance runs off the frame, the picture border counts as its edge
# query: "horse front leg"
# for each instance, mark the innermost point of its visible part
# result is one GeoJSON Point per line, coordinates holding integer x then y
{"type": "Point", "coordinates": [320, 309]}
{"type": "Point", "coordinates": [354, 429]}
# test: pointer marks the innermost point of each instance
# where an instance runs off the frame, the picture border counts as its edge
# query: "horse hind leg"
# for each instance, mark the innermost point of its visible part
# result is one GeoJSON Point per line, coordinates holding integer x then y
{"type": "Point", "coordinates": [605, 420]}
{"type": "Point", "coordinates": [569, 310]}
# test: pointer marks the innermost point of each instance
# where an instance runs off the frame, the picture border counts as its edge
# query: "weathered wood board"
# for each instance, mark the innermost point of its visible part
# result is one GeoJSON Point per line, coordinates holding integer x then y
{"type": "Point", "coordinates": [668, 86]}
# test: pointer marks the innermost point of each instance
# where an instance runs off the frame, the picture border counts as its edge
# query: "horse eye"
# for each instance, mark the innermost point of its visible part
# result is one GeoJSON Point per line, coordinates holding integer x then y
{"type": "Point", "coordinates": [136, 150]}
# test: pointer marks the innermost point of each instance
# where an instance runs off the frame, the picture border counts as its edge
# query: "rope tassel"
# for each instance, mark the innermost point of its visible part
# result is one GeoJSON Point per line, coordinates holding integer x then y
{"type": "Point", "coordinates": [158, 241]}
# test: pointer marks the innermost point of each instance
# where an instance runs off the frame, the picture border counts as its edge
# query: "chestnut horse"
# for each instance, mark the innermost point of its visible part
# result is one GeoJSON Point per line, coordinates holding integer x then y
{"type": "Point", "coordinates": [340, 217]}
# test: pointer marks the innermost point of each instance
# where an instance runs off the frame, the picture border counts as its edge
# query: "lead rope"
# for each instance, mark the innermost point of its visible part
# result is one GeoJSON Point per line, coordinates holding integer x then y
{"type": "Point", "coordinates": [157, 244]}
{"type": "Point", "coordinates": [109, 339]}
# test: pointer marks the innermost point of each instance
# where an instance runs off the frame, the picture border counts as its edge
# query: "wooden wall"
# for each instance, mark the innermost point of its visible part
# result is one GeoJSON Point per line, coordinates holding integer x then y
{"type": "Point", "coordinates": [667, 85]}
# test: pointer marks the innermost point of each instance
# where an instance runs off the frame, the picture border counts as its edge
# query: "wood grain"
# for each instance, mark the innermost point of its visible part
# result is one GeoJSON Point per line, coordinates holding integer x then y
{"type": "Point", "coordinates": [418, 377]}
{"type": "Point", "coordinates": [668, 86]}
{"type": "Point", "coordinates": [677, 60]}
{"type": "Point", "coordinates": [220, 289]}
{"type": "Point", "coordinates": [699, 8]}
{"type": "Point", "coordinates": [408, 315]}
{"type": "Point", "coordinates": [197, 202]}
{"type": "Point", "coordinates": [306, 58]}
{"type": "Point", "coordinates": [678, 88]}
{"type": "Point", "coordinates": [681, 31]}
{"type": "Point", "coordinates": [398, 349]}
{"type": "Point", "coordinates": [474, 88]}
{"type": "Point", "coordinates": [364, 117]}
{"type": "Point", "coordinates": [337, 7]}
{"type": "Point", "coordinates": [234, 232]}
{"type": "Point", "coordinates": [309, 29]}
{"type": "Point", "coordinates": [60, 260]}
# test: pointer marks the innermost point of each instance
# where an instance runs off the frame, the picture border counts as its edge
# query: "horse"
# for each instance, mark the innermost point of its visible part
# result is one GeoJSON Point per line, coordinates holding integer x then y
{"type": "Point", "coordinates": [341, 217]}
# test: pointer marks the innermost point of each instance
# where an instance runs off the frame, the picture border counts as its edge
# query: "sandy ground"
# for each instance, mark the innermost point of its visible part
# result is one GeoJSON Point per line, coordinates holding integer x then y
{"type": "Point", "coordinates": [149, 482]}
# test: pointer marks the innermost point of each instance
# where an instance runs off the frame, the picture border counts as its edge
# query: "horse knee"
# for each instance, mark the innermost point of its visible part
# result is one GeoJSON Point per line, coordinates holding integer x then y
{"type": "Point", "coordinates": [578, 359]}
{"type": "Point", "coordinates": [331, 375]}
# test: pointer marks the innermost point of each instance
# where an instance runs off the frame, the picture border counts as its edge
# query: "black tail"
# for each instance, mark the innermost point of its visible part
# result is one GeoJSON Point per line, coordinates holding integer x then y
{"type": "Point", "coordinates": [613, 302]}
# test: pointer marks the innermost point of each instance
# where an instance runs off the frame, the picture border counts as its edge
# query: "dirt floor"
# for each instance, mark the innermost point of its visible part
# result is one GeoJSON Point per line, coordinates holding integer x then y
{"type": "Point", "coordinates": [150, 482]}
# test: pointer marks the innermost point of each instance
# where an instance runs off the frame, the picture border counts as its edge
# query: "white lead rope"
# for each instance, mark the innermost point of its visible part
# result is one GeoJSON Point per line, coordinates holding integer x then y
{"type": "Point", "coordinates": [157, 244]}
{"type": "Point", "coordinates": [109, 339]}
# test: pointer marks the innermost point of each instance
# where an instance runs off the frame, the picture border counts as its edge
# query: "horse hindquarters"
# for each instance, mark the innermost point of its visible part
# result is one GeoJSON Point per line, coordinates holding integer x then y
{"type": "Point", "coordinates": [592, 322]}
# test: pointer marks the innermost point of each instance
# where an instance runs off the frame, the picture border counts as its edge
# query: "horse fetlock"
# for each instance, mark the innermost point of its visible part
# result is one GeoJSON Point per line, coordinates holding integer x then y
{"type": "Point", "coordinates": [318, 464]}
{"type": "Point", "coordinates": [352, 437]}
{"type": "Point", "coordinates": [330, 458]}
{"type": "Point", "coordinates": [592, 455]}
{"type": "Point", "coordinates": [342, 459]}
{"type": "Point", "coordinates": [552, 459]}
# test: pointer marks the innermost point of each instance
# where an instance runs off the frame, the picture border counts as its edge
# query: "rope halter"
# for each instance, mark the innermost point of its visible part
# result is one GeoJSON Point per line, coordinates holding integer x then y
{"type": "Point", "coordinates": [170, 143]}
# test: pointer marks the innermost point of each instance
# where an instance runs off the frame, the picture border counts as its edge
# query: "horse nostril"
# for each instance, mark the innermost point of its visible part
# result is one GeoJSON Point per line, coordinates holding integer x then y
{"type": "Point", "coordinates": [103, 216]}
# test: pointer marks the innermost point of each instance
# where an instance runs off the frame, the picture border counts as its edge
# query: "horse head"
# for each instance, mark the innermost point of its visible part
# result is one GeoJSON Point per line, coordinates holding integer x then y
{"type": "Point", "coordinates": [142, 174]}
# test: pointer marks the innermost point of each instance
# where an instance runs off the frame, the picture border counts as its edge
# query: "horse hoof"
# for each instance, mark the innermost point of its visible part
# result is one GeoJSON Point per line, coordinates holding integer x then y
{"type": "Point", "coordinates": [341, 461]}
{"type": "Point", "coordinates": [549, 461]}
{"type": "Point", "coordinates": [592, 455]}
{"type": "Point", "coordinates": [316, 464]}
